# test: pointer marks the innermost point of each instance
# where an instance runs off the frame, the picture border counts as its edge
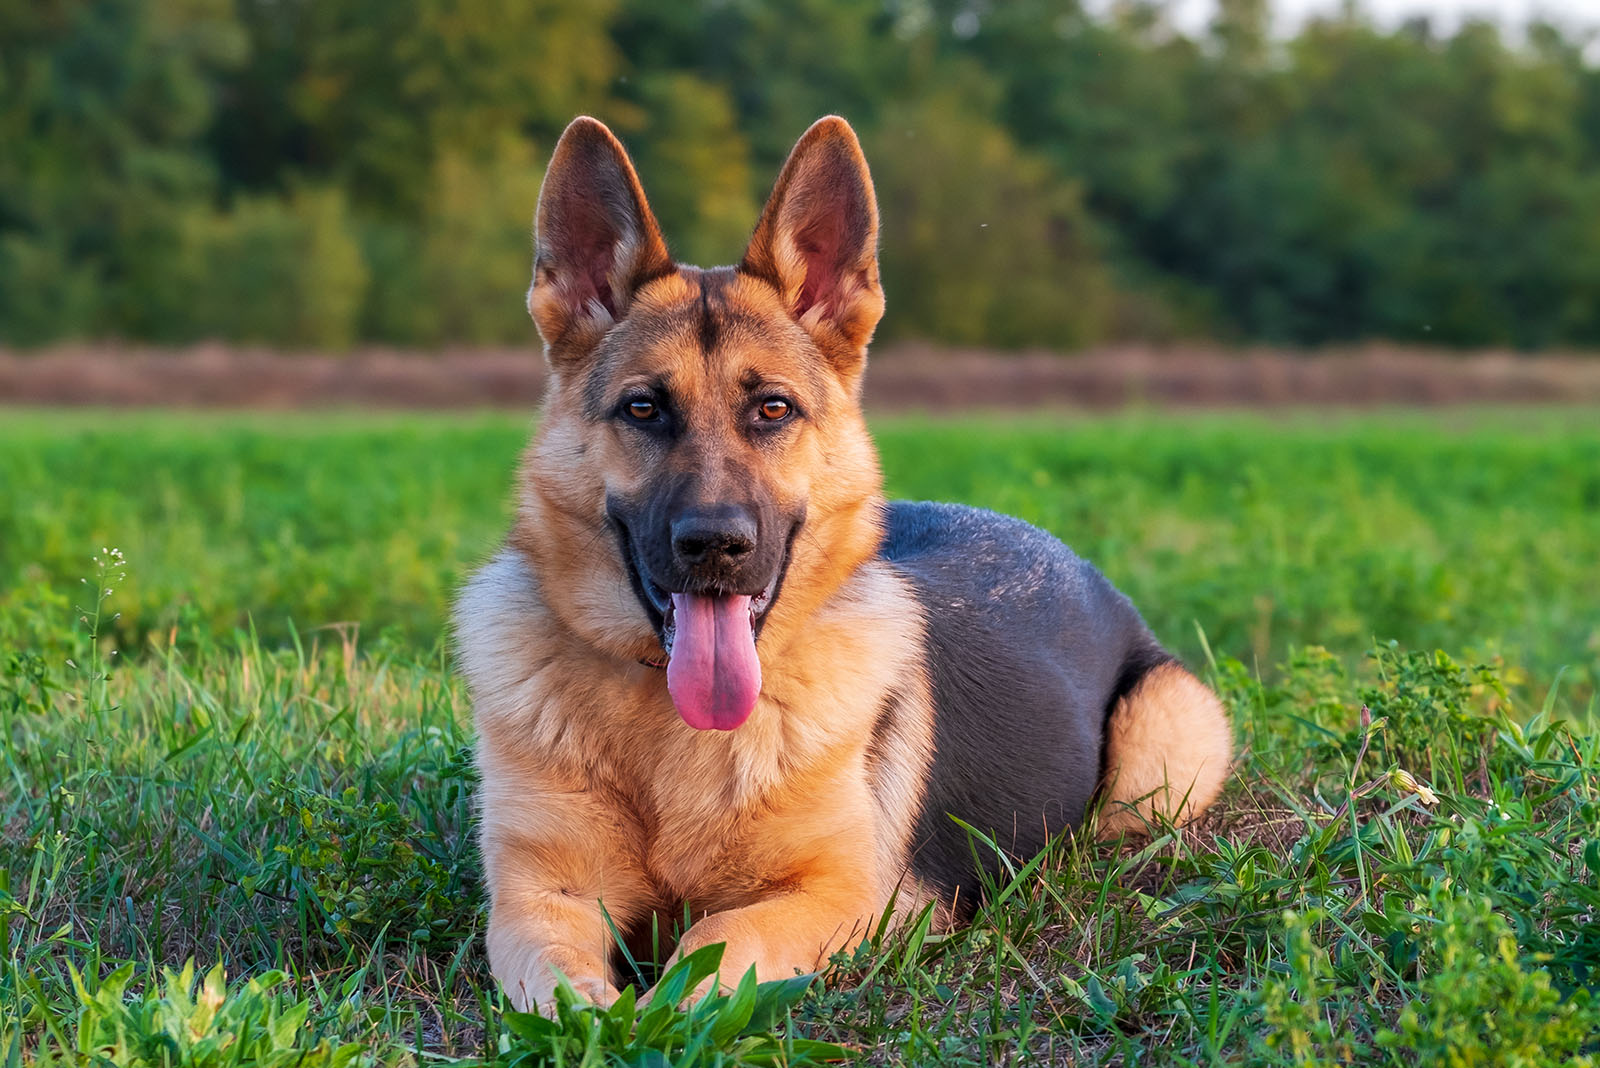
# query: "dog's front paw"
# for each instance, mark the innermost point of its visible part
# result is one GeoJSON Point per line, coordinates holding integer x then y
{"type": "Point", "coordinates": [740, 952]}
{"type": "Point", "coordinates": [708, 985]}
{"type": "Point", "coordinates": [539, 995]}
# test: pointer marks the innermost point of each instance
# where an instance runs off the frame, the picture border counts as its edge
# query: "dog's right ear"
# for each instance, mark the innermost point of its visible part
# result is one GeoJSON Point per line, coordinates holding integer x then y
{"type": "Point", "coordinates": [595, 242]}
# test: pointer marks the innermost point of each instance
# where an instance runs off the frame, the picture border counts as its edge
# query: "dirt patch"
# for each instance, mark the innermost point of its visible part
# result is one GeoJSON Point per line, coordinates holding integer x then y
{"type": "Point", "coordinates": [904, 376]}
{"type": "Point", "coordinates": [920, 376]}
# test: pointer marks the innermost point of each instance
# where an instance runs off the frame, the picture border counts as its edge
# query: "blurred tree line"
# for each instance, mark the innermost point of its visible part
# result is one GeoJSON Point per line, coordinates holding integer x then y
{"type": "Point", "coordinates": [320, 172]}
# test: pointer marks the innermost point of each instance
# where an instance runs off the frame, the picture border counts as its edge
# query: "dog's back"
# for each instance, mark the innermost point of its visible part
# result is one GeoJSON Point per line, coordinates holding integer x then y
{"type": "Point", "coordinates": [1030, 651]}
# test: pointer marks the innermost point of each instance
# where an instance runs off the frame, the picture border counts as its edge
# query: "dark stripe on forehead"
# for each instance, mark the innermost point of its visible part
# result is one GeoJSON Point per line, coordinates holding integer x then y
{"type": "Point", "coordinates": [720, 324]}
{"type": "Point", "coordinates": [708, 319]}
{"type": "Point", "coordinates": [714, 310]}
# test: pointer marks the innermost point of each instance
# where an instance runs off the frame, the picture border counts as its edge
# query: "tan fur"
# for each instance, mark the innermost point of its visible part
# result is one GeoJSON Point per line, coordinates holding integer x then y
{"type": "Point", "coordinates": [1168, 752]}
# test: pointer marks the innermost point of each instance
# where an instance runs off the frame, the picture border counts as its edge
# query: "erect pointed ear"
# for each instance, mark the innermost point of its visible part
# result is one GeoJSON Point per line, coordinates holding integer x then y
{"type": "Point", "coordinates": [595, 241]}
{"type": "Point", "coordinates": [817, 243]}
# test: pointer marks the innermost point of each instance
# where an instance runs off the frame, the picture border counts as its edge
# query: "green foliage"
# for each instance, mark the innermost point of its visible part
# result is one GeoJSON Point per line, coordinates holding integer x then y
{"type": "Point", "coordinates": [1050, 175]}
{"type": "Point", "coordinates": [44, 294]}
{"type": "Point", "coordinates": [694, 163]}
{"type": "Point", "coordinates": [370, 94]}
{"type": "Point", "coordinates": [1291, 1005]}
{"type": "Point", "coordinates": [1477, 1000]}
{"type": "Point", "coordinates": [104, 107]}
{"type": "Point", "coordinates": [367, 864]}
{"type": "Point", "coordinates": [1424, 701]}
{"type": "Point", "coordinates": [283, 272]}
{"type": "Point", "coordinates": [673, 1026]}
{"type": "Point", "coordinates": [988, 246]}
{"type": "Point", "coordinates": [1479, 1004]}
{"type": "Point", "coordinates": [460, 274]}
{"type": "Point", "coordinates": [179, 1024]}
{"type": "Point", "coordinates": [249, 526]}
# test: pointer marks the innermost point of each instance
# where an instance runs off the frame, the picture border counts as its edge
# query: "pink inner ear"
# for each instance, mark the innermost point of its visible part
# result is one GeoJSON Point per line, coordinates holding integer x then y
{"type": "Point", "coordinates": [597, 259]}
{"type": "Point", "coordinates": [589, 248]}
{"type": "Point", "coordinates": [822, 245]}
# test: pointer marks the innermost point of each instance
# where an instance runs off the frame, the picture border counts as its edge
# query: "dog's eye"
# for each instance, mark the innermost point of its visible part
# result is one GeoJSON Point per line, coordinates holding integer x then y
{"type": "Point", "coordinates": [642, 410]}
{"type": "Point", "coordinates": [775, 408]}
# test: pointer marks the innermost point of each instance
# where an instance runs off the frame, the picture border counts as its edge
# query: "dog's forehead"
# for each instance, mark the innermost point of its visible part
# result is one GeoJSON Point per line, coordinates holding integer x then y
{"type": "Point", "coordinates": [708, 331]}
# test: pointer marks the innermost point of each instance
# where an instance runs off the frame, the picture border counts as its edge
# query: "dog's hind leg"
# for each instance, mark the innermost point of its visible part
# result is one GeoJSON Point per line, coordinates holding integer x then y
{"type": "Point", "coordinates": [1167, 753]}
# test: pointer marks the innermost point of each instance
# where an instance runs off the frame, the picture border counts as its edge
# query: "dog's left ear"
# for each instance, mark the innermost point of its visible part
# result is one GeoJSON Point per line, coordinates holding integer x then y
{"type": "Point", "coordinates": [817, 243]}
{"type": "Point", "coordinates": [596, 242]}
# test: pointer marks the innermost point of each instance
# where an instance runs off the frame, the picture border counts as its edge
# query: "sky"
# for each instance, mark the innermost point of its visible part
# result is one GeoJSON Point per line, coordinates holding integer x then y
{"type": "Point", "coordinates": [1194, 14]}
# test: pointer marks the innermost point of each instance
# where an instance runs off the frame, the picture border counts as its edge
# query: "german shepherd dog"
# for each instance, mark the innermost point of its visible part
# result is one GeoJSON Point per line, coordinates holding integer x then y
{"type": "Point", "coordinates": [715, 674]}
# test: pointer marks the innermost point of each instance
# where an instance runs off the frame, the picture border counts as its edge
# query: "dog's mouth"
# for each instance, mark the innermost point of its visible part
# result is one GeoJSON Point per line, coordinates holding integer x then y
{"type": "Point", "coordinates": [668, 603]}
{"type": "Point", "coordinates": [708, 638]}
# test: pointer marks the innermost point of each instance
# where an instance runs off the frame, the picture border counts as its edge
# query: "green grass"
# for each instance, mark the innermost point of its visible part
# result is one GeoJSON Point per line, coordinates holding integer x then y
{"type": "Point", "coordinates": [1403, 871]}
{"type": "Point", "coordinates": [1479, 532]}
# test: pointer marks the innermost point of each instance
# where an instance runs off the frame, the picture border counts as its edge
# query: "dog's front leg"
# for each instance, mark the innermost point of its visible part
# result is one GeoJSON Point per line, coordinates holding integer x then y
{"type": "Point", "coordinates": [555, 870]}
{"type": "Point", "coordinates": [534, 935]}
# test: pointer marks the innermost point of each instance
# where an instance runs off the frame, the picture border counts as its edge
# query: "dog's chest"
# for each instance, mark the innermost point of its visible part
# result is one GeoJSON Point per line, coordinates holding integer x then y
{"type": "Point", "coordinates": [708, 867]}
{"type": "Point", "coordinates": [701, 811]}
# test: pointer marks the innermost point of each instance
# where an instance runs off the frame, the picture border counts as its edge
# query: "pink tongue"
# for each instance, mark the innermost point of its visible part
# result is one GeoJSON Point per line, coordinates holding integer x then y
{"type": "Point", "coordinates": [713, 674]}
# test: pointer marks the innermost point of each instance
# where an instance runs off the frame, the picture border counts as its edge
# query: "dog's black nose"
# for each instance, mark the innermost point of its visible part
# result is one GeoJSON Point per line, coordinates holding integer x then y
{"type": "Point", "coordinates": [709, 537]}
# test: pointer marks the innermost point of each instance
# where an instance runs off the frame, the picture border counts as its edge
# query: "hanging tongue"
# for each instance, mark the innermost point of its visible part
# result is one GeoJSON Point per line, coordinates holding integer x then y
{"type": "Point", "coordinates": [713, 674]}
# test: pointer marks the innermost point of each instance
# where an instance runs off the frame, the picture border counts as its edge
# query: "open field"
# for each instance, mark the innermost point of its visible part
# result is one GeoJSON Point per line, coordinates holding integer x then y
{"type": "Point", "coordinates": [236, 772]}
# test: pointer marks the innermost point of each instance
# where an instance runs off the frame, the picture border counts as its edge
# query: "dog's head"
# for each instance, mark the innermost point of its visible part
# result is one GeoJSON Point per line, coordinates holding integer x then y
{"type": "Point", "coordinates": [702, 476]}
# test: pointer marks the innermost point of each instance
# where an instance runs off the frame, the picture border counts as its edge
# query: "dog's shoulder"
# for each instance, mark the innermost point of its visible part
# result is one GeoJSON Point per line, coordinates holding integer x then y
{"type": "Point", "coordinates": [501, 627]}
{"type": "Point", "coordinates": [504, 584]}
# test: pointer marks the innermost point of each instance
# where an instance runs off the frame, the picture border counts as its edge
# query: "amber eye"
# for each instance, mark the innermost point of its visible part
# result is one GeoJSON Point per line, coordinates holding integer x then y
{"type": "Point", "coordinates": [774, 408]}
{"type": "Point", "coordinates": [642, 410]}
